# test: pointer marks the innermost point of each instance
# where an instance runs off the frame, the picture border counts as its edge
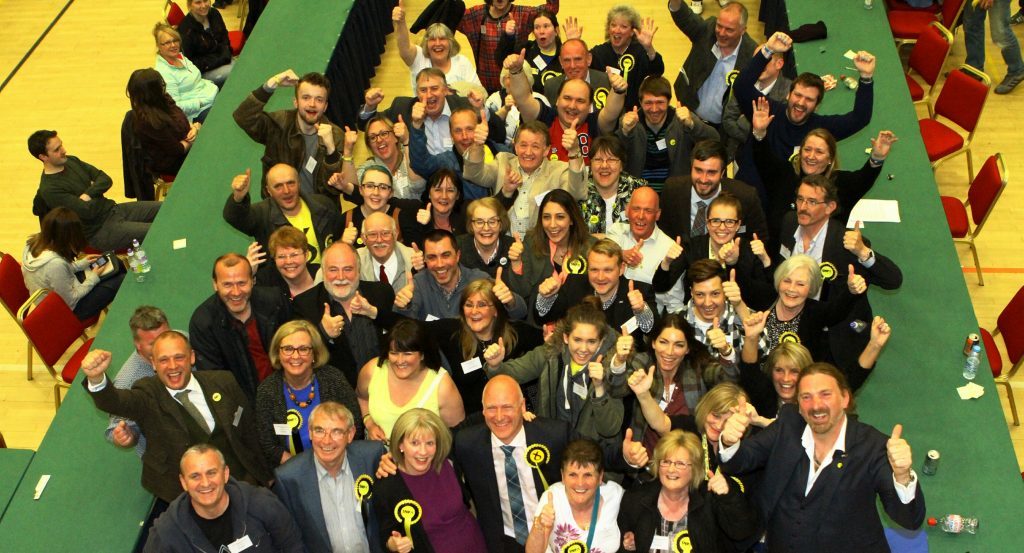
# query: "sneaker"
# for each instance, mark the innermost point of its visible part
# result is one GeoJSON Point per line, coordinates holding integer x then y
{"type": "Point", "coordinates": [697, 6]}
{"type": "Point", "coordinates": [1018, 17]}
{"type": "Point", "coordinates": [1009, 83]}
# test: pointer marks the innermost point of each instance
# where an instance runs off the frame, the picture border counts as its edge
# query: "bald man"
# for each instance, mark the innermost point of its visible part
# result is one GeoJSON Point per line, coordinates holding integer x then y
{"type": "Point", "coordinates": [315, 215]}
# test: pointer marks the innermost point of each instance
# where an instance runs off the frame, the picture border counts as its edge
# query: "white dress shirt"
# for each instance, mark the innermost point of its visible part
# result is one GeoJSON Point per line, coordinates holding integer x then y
{"type": "Point", "coordinates": [526, 484]}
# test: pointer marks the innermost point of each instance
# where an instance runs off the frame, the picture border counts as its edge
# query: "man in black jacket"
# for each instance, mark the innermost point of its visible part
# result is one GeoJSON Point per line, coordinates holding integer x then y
{"type": "Point", "coordinates": [233, 328]}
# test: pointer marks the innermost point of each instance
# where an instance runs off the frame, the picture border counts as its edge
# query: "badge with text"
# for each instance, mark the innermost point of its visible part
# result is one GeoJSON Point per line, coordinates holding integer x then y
{"type": "Point", "coordinates": [828, 271]}
{"type": "Point", "coordinates": [575, 546]}
{"type": "Point", "coordinates": [364, 487]}
{"type": "Point", "coordinates": [408, 512]}
{"type": "Point", "coordinates": [537, 455]}
{"type": "Point", "coordinates": [681, 543]}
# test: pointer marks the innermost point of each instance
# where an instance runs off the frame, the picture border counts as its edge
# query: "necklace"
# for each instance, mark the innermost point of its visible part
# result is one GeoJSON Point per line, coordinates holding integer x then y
{"type": "Point", "coordinates": [302, 404]}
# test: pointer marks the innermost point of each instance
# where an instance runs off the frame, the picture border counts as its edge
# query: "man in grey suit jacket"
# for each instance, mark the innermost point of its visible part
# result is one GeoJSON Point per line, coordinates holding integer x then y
{"type": "Point", "coordinates": [575, 59]}
{"type": "Point", "coordinates": [384, 251]}
{"type": "Point", "coordinates": [342, 467]}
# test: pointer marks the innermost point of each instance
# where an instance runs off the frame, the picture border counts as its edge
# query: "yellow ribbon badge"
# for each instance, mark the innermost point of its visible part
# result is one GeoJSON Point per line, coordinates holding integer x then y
{"type": "Point", "coordinates": [537, 455]}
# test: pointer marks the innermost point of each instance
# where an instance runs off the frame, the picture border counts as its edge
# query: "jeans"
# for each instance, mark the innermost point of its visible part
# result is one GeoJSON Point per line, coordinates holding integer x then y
{"type": "Point", "coordinates": [126, 221]}
{"type": "Point", "coordinates": [99, 297]}
{"type": "Point", "coordinates": [220, 74]}
{"type": "Point", "coordinates": [1002, 35]}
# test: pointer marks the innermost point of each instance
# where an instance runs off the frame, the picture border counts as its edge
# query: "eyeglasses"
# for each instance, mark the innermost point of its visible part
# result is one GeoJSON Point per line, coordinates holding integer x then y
{"type": "Point", "coordinates": [492, 222]}
{"type": "Point", "coordinates": [477, 305]}
{"type": "Point", "coordinates": [379, 136]}
{"type": "Point", "coordinates": [679, 465]}
{"type": "Point", "coordinates": [336, 433]}
{"type": "Point", "coordinates": [292, 350]}
{"type": "Point", "coordinates": [605, 161]}
{"type": "Point", "coordinates": [371, 186]}
{"type": "Point", "coordinates": [727, 223]}
{"type": "Point", "coordinates": [379, 235]}
{"type": "Point", "coordinates": [809, 202]}
{"type": "Point", "coordinates": [289, 256]}
{"type": "Point", "coordinates": [170, 42]}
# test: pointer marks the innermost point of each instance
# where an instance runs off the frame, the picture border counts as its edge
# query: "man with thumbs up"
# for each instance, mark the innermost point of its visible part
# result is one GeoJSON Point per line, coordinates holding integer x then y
{"type": "Point", "coordinates": [808, 456]}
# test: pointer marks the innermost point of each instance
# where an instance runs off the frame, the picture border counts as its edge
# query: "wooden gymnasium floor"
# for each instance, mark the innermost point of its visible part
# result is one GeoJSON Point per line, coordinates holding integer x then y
{"type": "Point", "coordinates": [74, 82]}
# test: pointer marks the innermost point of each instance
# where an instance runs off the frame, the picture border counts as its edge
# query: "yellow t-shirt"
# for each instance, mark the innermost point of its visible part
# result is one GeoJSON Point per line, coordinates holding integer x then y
{"type": "Point", "coordinates": [304, 222]}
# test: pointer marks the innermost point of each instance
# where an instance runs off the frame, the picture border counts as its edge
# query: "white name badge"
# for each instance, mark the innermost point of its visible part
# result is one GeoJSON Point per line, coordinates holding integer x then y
{"type": "Point", "coordinates": [784, 251]}
{"type": "Point", "coordinates": [661, 144]}
{"type": "Point", "coordinates": [241, 544]}
{"type": "Point", "coordinates": [539, 62]}
{"type": "Point", "coordinates": [432, 318]}
{"type": "Point", "coordinates": [471, 365]}
{"type": "Point", "coordinates": [660, 543]}
{"type": "Point", "coordinates": [310, 165]}
{"type": "Point", "coordinates": [615, 70]}
{"type": "Point", "coordinates": [580, 390]}
{"type": "Point", "coordinates": [238, 416]}
{"type": "Point", "coordinates": [282, 429]}
{"type": "Point", "coordinates": [632, 324]}
{"type": "Point", "coordinates": [540, 197]}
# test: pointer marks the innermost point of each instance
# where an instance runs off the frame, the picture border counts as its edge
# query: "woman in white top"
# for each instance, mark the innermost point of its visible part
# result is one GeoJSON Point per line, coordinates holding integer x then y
{"type": "Point", "coordinates": [437, 49]}
{"type": "Point", "coordinates": [580, 508]}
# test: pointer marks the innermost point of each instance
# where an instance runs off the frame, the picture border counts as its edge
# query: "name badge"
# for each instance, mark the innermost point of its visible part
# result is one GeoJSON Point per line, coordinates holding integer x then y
{"type": "Point", "coordinates": [615, 70]}
{"type": "Point", "coordinates": [632, 324]}
{"type": "Point", "coordinates": [580, 390]}
{"type": "Point", "coordinates": [539, 62]}
{"type": "Point", "coordinates": [431, 318]}
{"type": "Point", "coordinates": [785, 252]}
{"type": "Point", "coordinates": [282, 429]}
{"type": "Point", "coordinates": [540, 197]}
{"type": "Point", "coordinates": [660, 543]}
{"type": "Point", "coordinates": [238, 416]}
{"type": "Point", "coordinates": [310, 165]}
{"type": "Point", "coordinates": [471, 365]}
{"type": "Point", "coordinates": [241, 544]}
{"type": "Point", "coordinates": [661, 144]}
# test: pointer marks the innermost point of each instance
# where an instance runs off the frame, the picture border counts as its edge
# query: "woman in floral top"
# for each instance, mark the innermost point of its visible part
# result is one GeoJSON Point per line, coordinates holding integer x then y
{"type": "Point", "coordinates": [608, 188]}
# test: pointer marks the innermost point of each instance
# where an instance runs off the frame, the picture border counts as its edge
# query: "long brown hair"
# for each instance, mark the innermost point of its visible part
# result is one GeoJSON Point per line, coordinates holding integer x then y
{"type": "Point", "coordinates": [578, 231]}
{"type": "Point", "coordinates": [501, 326]}
{"type": "Point", "coordinates": [151, 104]}
{"type": "Point", "coordinates": [61, 231]}
{"type": "Point", "coordinates": [833, 151]}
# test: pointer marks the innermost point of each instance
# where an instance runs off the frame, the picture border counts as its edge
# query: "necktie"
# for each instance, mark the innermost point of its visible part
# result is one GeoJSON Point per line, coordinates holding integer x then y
{"type": "Point", "coordinates": [383, 276]}
{"type": "Point", "coordinates": [515, 495]}
{"type": "Point", "coordinates": [190, 407]}
{"type": "Point", "coordinates": [699, 226]}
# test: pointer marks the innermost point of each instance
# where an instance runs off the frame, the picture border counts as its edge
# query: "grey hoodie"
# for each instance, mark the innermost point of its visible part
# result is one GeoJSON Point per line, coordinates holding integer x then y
{"type": "Point", "coordinates": [52, 271]}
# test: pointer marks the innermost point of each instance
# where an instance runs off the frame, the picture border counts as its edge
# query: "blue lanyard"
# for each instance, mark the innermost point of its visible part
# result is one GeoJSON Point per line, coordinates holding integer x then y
{"type": "Point", "coordinates": [593, 518]}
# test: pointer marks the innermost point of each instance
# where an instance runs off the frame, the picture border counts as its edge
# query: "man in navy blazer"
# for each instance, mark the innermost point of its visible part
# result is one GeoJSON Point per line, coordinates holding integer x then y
{"type": "Point", "coordinates": [823, 471]}
{"type": "Point", "coordinates": [338, 462]}
{"type": "Point", "coordinates": [537, 451]}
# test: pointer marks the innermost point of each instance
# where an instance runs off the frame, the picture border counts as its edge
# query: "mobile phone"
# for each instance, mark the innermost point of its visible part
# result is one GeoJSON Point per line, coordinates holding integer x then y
{"type": "Point", "coordinates": [101, 261]}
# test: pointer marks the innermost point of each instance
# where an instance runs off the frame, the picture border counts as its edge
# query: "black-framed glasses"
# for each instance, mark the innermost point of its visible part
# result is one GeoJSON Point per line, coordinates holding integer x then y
{"type": "Point", "coordinates": [371, 186]}
{"type": "Point", "coordinates": [727, 223]}
{"type": "Point", "coordinates": [292, 350]}
{"type": "Point", "coordinates": [379, 136]}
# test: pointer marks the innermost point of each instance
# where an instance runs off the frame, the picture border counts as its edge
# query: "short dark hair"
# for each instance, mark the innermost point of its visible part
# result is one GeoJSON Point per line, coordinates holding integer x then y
{"type": "Point", "coordinates": [37, 142]}
{"type": "Point", "coordinates": [707, 149]}
{"type": "Point", "coordinates": [656, 86]}
{"type": "Point", "coordinates": [728, 199]}
{"type": "Point", "coordinates": [410, 335]}
{"type": "Point", "coordinates": [611, 144]}
{"type": "Point", "coordinates": [536, 127]}
{"type": "Point", "coordinates": [822, 182]}
{"type": "Point", "coordinates": [810, 80]}
{"type": "Point", "coordinates": [315, 79]}
{"type": "Point", "coordinates": [704, 269]}
{"type": "Point", "coordinates": [146, 317]}
{"type": "Point", "coordinates": [583, 452]}
{"type": "Point", "coordinates": [438, 234]}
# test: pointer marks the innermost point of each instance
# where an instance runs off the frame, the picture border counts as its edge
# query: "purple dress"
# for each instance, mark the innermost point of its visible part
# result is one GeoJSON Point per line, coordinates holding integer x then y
{"type": "Point", "coordinates": [446, 520]}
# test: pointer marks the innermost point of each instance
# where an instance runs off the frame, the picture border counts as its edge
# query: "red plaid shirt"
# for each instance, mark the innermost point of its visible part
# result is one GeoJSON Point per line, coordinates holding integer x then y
{"type": "Point", "coordinates": [483, 33]}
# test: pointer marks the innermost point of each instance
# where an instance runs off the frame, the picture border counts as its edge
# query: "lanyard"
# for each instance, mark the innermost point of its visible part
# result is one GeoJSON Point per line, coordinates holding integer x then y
{"type": "Point", "coordinates": [593, 518]}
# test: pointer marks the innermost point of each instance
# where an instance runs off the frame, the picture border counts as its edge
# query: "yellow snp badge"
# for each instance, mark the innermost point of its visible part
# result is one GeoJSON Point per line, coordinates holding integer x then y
{"type": "Point", "coordinates": [537, 455]}
{"type": "Point", "coordinates": [364, 487]}
{"type": "Point", "coordinates": [681, 543]}
{"type": "Point", "coordinates": [216, 396]}
{"type": "Point", "coordinates": [600, 97]}
{"type": "Point", "coordinates": [575, 546]}
{"type": "Point", "coordinates": [625, 64]}
{"type": "Point", "coordinates": [828, 271]}
{"type": "Point", "coordinates": [576, 266]}
{"type": "Point", "coordinates": [408, 512]}
{"type": "Point", "coordinates": [789, 336]}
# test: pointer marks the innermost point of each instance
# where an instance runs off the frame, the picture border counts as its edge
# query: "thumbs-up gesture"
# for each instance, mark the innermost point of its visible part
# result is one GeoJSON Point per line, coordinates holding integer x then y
{"type": "Point", "coordinates": [401, 131]}
{"type": "Point", "coordinates": [513, 181]}
{"type": "Point", "coordinates": [404, 296]}
{"type": "Point", "coordinates": [337, 181]}
{"type": "Point", "coordinates": [753, 325]}
{"type": "Point", "coordinates": [495, 354]}
{"type": "Point", "coordinates": [635, 297]}
{"type": "Point", "coordinates": [546, 519]}
{"type": "Point", "coordinates": [419, 111]}
{"type": "Point", "coordinates": [853, 241]}
{"type": "Point", "coordinates": [729, 253]}
{"type": "Point", "coordinates": [332, 325]}
{"type": "Point", "coordinates": [501, 290]}
{"type": "Point", "coordinates": [732, 290]}
{"type": "Point", "coordinates": [717, 339]}
{"type": "Point", "coordinates": [510, 26]}
{"type": "Point", "coordinates": [619, 85]}
{"type": "Point", "coordinates": [349, 235]}
{"type": "Point", "coordinates": [481, 130]}
{"type": "Point", "coordinates": [761, 117]}
{"type": "Point", "coordinates": [416, 259]}
{"type": "Point", "coordinates": [717, 482]}
{"type": "Point", "coordinates": [398, 14]}
{"type": "Point", "coordinates": [569, 138]}
{"type": "Point", "coordinates": [515, 251]}
{"type": "Point", "coordinates": [351, 137]}
{"type": "Point", "coordinates": [856, 283]}
{"type": "Point", "coordinates": [737, 423]}
{"type": "Point", "coordinates": [757, 247]}
{"type": "Point", "coordinates": [633, 256]}
{"type": "Point", "coordinates": [634, 452]}
{"type": "Point", "coordinates": [623, 347]}
{"type": "Point", "coordinates": [399, 543]}
{"type": "Point", "coordinates": [641, 381]}
{"type": "Point", "coordinates": [900, 458]}
{"type": "Point", "coordinates": [630, 120]}
{"type": "Point", "coordinates": [123, 436]}
{"type": "Point", "coordinates": [95, 365]}
{"type": "Point", "coordinates": [240, 185]}
{"type": "Point", "coordinates": [596, 370]}
{"type": "Point", "coordinates": [550, 286]}
{"type": "Point", "coordinates": [423, 215]}
{"type": "Point", "coordinates": [674, 251]}
{"type": "Point", "coordinates": [880, 332]}
{"type": "Point", "coordinates": [514, 62]}
{"type": "Point", "coordinates": [361, 306]}
{"type": "Point", "coordinates": [684, 116]}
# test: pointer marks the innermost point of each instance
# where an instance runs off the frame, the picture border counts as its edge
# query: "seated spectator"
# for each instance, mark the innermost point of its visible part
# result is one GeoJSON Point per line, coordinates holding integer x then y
{"type": "Point", "coordinates": [608, 188]}
{"type": "Point", "coordinates": [385, 259]}
{"type": "Point", "coordinates": [574, 60]}
{"type": "Point", "coordinates": [486, 246]}
{"type": "Point", "coordinates": [714, 510]}
{"type": "Point", "coordinates": [542, 53]}
{"type": "Point", "coordinates": [71, 183]}
{"type": "Point", "coordinates": [403, 377]}
{"type": "Point", "coordinates": [301, 381]}
{"type": "Point", "coordinates": [286, 205]}
{"type": "Point", "coordinates": [658, 137]}
{"type": "Point", "coordinates": [185, 83]}
{"type": "Point", "coordinates": [159, 124]}
{"type": "Point", "coordinates": [204, 39]}
{"type": "Point", "coordinates": [50, 261]}
{"type": "Point", "coordinates": [289, 270]}
{"type": "Point", "coordinates": [388, 144]}
{"type": "Point", "coordinates": [437, 49]}
{"type": "Point", "coordinates": [301, 137]}
{"type": "Point", "coordinates": [634, 60]}
{"type": "Point", "coordinates": [232, 329]}
{"type": "Point", "coordinates": [502, 104]}
{"type": "Point", "coordinates": [434, 293]}
{"type": "Point", "coordinates": [519, 178]}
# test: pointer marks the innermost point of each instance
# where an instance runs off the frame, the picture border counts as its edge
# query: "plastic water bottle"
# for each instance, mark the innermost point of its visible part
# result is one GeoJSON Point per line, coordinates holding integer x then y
{"type": "Point", "coordinates": [972, 362]}
{"type": "Point", "coordinates": [955, 524]}
{"type": "Point", "coordinates": [133, 265]}
{"type": "Point", "coordinates": [858, 325]}
{"type": "Point", "coordinates": [869, 4]}
{"type": "Point", "coordinates": [140, 255]}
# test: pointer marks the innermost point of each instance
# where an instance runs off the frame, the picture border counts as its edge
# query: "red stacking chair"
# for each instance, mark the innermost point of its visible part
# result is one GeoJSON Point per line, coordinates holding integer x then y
{"type": "Point", "coordinates": [961, 101]}
{"type": "Point", "coordinates": [907, 25]}
{"type": "Point", "coordinates": [14, 293]}
{"type": "Point", "coordinates": [1010, 324]}
{"type": "Point", "coordinates": [52, 328]}
{"type": "Point", "coordinates": [237, 40]}
{"type": "Point", "coordinates": [174, 15]}
{"type": "Point", "coordinates": [901, 5]}
{"type": "Point", "coordinates": [981, 198]}
{"type": "Point", "coordinates": [927, 59]}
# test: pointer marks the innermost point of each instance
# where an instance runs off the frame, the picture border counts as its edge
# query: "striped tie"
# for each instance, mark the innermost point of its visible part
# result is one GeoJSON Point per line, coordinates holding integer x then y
{"type": "Point", "coordinates": [515, 495]}
{"type": "Point", "coordinates": [700, 222]}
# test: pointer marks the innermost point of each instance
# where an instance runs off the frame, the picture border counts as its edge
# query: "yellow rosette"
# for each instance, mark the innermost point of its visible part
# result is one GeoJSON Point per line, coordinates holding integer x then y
{"type": "Point", "coordinates": [575, 546]}
{"type": "Point", "coordinates": [408, 512]}
{"type": "Point", "coordinates": [537, 455]}
{"type": "Point", "coordinates": [828, 271]}
{"type": "Point", "coordinates": [681, 543]}
{"type": "Point", "coordinates": [364, 487]}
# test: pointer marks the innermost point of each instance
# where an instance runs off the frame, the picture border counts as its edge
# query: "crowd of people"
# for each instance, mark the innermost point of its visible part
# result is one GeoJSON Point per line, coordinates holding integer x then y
{"type": "Point", "coordinates": [551, 322]}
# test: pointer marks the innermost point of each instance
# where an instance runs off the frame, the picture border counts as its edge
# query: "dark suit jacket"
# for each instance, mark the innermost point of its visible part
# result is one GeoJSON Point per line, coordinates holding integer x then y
{"type": "Point", "coordinates": [598, 81]}
{"type": "Point", "coordinates": [475, 460]}
{"type": "Point", "coordinates": [298, 489]}
{"type": "Point", "coordinates": [675, 207]}
{"type": "Point", "coordinates": [848, 520]}
{"type": "Point", "coordinates": [162, 421]}
{"type": "Point", "coordinates": [748, 269]}
{"type": "Point", "coordinates": [577, 287]}
{"type": "Point", "coordinates": [402, 105]}
{"type": "Point", "coordinates": [309, 305]}
{"type": "Point", "coordinates": [701, 61]}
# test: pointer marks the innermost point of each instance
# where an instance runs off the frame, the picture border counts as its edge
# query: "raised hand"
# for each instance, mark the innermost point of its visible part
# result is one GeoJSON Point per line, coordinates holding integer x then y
{"type": "Point", "coordinates": [240, 185]}
{"type": "Point", "coordinates": [550, 286]}
{"type": "Point", "coordinates": [95, 365]}
{"type": "Point", "coordinates": [731, 289]}
{"type": "Point", "coordinates": [619, 85]}
{"type": "Point", "coordinates": [513, 180]}
{"type": "Point", "coordinates": [729, 253]}
{"type": "Point", "coordinates": [779, 42]}
{"type": "Point", "coordinates": [510, 26]}
{"type": "Point", "coordinates": [761, 116]}
{"type": "Point", "coordinates": [361, 306]}
{"type": "Point", "coordinates": [629, 541]}
{"type": "Point", "coordinates": [634, 452]}
{"type": "Point", "coordinates": [476, 101]}
{"type": "Point", "coordinates": [673, 253]}
{"type": "Point", "coordinates": [398, 14]}
{"type": "Point", "coordinates": [753, 325]}
{"type": "Point", "coordinates": [641, 381]}
{"type": "Point", "coordinates": [419, 111]}
{"type": "Point", "coordinates": [495, 354]}
{"type": "Point", "coordinates": [572, 28]}
{"type": "Point", "coordinates": [332, 324]}
{"type": "Point", "coordinates": [635, 297]}
{"type": "Point", "coordinates": [514, 62]}
{"type": "Point", "coordinates": [569, 137]}
{"type": "Point", "coordinates": [717, 338]}
{"type": "Point", "coordinates": [416, 259]}
{"type": "Point", "coordinates": [256, 256]}
{"type": "Point", "coordinates": [337, 181]}
{"type": "Point", "coordinates": [349, 235]}
{"type": "Point", "coordinates": [630, 120]}
{"type": "Point", "coordinates": [123, 436]}
{"type": "Point", "coordinates": [900, 457]}
{"type": "Point", "coordinates": [853, 241]}
{"type": "Point", "coordinates": [481, 130]}
{"type": "Point", "coordinates": [501, 290]}
{"type": "Point", "coordinates": [401, 131]}
{"type": "Point", "coordinates": [865, 63]}
{"type": "Point", "coordinates": [284, 78]}
{"type": "Point", "coordinates": [856, 283]}
{"type": "Point", "coordinates": [880, 331]}
{"type": "Point", "coordinates": [399, 543]}
{"type": "Point", "coordinates": [633, 257]}
{"type": "Point", "coordinates": [717, 482]}
{"type": "Point", "coordinates": [372, 98]}
{"type": "Point", "coordinates": [546, 518]}
{"type": "Point", "coordinates": [404, 296]}
{"type": "Point", "coordinates": [515, 251]}
{"type": "Point", "coordinates": [623, 347]}
{"type": "Point", "coordinates": [757, 246]}
{"type": "Point", "coordinates": [351, 137]}
{"type": "Point", "coordinates": [423, 215]}
{"type": "Point", "coordinates": [326, 134]}
{"type": "Point", "coordinates": [684, 116]}
{"type": "Point", "coordinates": [596, 370]}
{"type": "Point", "coordinates": [737, 423]}
{"type": "Point", "coordinates": [880, 146]}
{"type": "Point", "coordinates": [645, 34]}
